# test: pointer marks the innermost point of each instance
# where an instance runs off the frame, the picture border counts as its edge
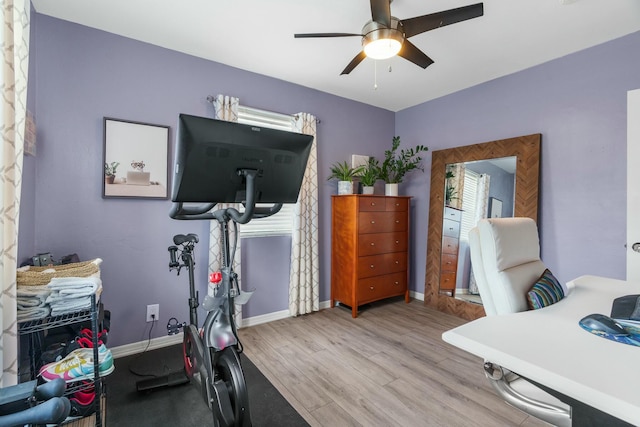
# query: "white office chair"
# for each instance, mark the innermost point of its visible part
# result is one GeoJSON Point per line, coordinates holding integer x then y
{"type": "Point", "coordinates": [505, 257]}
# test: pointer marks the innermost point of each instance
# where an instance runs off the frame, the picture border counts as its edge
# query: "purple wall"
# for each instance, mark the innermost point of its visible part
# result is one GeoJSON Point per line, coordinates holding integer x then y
{"type": "Point", "coordinates": [578, 104]}
{"type": "Point", "coordinates": [83, 75]}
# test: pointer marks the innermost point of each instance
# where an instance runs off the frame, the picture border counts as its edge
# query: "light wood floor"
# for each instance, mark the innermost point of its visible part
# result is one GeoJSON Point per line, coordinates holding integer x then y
{"type": "Point", "coordinates": [388, 367]}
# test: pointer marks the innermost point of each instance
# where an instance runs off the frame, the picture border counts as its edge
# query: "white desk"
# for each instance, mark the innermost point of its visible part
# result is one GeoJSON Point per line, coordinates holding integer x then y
{"type": "Point", "coordinates": [549, 347]}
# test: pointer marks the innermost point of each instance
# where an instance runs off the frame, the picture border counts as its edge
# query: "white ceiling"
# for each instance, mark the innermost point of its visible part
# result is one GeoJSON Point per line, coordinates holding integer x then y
{"type": "Point", "coordinates": [257, 35]}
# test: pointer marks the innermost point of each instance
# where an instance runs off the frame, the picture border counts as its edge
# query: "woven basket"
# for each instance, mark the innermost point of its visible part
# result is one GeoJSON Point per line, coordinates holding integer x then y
{"type": "Point", "coordinates": [39, 276]}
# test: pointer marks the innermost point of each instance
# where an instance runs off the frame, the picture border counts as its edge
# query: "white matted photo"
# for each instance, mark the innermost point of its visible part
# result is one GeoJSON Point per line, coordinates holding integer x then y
{"type": "Point", "coordinates": [136, 159]}
{"type": "Point", "coordinates": [495, 210]}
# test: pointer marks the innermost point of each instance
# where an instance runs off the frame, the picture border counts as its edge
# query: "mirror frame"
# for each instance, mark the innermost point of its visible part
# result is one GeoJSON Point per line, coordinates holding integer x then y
{"type": "Point", "coordinates": [527, 152]}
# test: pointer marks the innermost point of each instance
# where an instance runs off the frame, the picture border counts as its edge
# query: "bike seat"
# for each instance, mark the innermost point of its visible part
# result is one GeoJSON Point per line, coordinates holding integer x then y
{"type": "Point", "coordinates": [179, 239]}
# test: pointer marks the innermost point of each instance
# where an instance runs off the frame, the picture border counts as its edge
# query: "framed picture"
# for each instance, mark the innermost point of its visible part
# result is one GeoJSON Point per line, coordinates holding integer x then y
{"type": "Point", "coordinates": [136, 160]}
{"type": "Point", "coordinates": [495, 208]}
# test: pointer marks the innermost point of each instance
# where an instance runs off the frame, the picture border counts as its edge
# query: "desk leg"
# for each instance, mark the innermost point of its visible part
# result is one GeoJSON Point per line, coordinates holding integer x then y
{"type": "Point", "coordinates": [583, 415]}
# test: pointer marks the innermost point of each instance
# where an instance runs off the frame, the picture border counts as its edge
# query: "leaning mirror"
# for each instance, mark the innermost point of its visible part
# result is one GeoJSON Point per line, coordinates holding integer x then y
{"type": "Point", "coordinates": [497, 178]}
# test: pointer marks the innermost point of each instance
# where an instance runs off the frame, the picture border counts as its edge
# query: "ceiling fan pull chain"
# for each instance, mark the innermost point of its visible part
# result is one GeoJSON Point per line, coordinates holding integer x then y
{"type": "Point", "coordinates": [375, 74]}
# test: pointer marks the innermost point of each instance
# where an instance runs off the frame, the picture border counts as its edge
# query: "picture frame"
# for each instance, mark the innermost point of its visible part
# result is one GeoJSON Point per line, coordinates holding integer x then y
{"type": "Point", "coordinates": [135, 160]}
{"type": "Point", "coordinates": [495, 208]}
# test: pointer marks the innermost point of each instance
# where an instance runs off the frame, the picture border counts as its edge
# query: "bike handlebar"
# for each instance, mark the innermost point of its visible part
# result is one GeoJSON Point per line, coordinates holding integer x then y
{"type": "Point", "coordinates": [53, 411]}
{"type": "Point", "coordinates": [179, 211]}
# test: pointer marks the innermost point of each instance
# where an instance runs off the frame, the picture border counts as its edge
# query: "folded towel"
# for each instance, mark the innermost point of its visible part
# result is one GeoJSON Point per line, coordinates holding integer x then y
{"type": "Point", "coordinates": [72, 305]}
{"type": "Point", "coordinates": [73, 287]}
{"type": "Point", "coordinates": [32, 291]}
{"type": "Point", "coordinates": [62, 283]}
{"type": "Point", "coordinates": [33, 314]}
{"type": "Point", "coordinates": [25, 303]}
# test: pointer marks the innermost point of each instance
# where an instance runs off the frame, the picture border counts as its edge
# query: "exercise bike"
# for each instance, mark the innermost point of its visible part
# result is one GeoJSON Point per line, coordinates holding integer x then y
{"type": "Point", "coordinates": [211, 355]}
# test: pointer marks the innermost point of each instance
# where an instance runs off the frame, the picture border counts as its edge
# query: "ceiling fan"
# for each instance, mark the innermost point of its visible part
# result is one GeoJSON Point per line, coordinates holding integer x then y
{"type": "Point", "coordinates": [386, 36]}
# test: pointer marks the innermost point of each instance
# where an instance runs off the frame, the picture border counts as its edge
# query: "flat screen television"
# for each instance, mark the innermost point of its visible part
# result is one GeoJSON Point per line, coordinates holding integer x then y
{"type": "Point", "coordinates": [209, 153]}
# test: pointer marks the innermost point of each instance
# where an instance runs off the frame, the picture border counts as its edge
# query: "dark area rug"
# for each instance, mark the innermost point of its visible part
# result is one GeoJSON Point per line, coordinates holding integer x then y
{"type": "Point", "coordinates": [182, 405]}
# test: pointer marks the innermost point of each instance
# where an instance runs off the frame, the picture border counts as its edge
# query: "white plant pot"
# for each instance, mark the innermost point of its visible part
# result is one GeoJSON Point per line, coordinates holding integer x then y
{"type": "Point", "coordinates": [367, 189]}
{"type": "Point", "coordinates": [391, 189]}
{"type": "Point", "coordinates": [345, 187]}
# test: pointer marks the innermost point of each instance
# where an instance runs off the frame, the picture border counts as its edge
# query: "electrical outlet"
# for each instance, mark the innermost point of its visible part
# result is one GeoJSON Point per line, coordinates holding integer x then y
{"type": "Point", "coordinates": [153, 310]}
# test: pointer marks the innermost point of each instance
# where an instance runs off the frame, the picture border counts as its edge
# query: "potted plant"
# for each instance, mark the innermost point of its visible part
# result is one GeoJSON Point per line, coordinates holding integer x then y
{"type": "Point", "coordinates": [369, 175]}
{"type": "Point", "coordinates": [344, 174]}
{"type": "Point", "coordinates": [397, 164]}
{"type": "Point", "coordinates": [110, 172]}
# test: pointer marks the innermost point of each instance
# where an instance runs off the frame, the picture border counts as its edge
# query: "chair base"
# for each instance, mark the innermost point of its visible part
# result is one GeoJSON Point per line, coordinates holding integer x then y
{"type": "Point", "coordinates": [548, 412]}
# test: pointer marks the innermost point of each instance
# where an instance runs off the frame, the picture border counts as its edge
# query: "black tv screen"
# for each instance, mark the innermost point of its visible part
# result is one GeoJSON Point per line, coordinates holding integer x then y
{"type": "Point", "coordinates": [209, 153]}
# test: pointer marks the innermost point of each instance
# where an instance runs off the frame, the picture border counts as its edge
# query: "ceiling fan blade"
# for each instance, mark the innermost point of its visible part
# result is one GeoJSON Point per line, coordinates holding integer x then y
{"type": "Point", "coordinates": [410, 52]}
{"type": "Point", "coordinates": [420, 24]}
{"type": "Point", "coordinates": [310, 35]}
{"type": "Point", "coordinates": [381, 12]}
{"type": "Point", "coordinates": [354, 63]}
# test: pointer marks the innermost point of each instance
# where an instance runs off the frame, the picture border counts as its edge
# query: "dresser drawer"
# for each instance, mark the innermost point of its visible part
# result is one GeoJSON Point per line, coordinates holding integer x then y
{"type": "Point", "coordinates": [376, 265]}
{"type": "Point", "coordinates": [449, 245]}
{"type": "Point", "coordinates": [449, 263]}
{"type": "Point", "coordinates": [369, 204]}
{"type": "Point", "coordinates": [394, 204]}
{"type": "Point", "coordinates": [382, 243]}
{"type": "Point", "coordinates": [453, 214]}
{"type": "Point", "coordinates": [380, 287]}
{"type": "Point", "coordinates": [447, 281]}
{"type": "Point", "coordinates": [451, 228]}
{"type": "Point", "coordinates": [381, 222]}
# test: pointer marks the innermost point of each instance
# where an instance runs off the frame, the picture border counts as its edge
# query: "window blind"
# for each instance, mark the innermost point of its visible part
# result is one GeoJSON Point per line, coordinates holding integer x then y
{"type": "Point", "coordinates": [281, 223]}
{"type": "Point", "coordinates": [469, 203]}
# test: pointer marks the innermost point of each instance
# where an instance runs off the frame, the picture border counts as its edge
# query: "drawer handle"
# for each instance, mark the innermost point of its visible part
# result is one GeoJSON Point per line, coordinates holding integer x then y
{"type": "Point", "coordinates": [373, 222]}
{"type": "Point", "coordinates": [373, 203]}
{"type": "Point", "coordinates": [397, 242]}
{"type": "Point", "coordinates": [397, 221]}
{"type": "Point", "coordinates": [397, 262]}
{"type": "Point", "coordinates": [371, 287]}
{"type": "Point", "coordinates": [396, 283]}
{"type": "Point", "coordinates": [372, 266]}
{"type": "Point", "coordinates": [451, 228]}
{"type": "Point", "coordinates": [373, 244]}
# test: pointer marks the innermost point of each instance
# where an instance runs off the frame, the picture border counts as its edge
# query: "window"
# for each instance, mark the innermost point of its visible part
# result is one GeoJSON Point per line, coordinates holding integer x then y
{"type": "Point", "coordinates": [281, 223]}
{"type": "Point", "coordinates": [469, 203]}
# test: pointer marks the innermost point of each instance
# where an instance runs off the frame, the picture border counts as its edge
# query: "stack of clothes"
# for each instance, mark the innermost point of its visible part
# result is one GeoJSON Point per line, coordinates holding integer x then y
{"type": "Point", "coordinates": [57, 290]}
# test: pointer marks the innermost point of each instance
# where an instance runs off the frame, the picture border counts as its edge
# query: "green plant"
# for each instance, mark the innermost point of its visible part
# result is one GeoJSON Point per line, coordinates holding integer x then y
{"type": "Point", "coordinates": [449, 190]}
{"type": "Point", "coordinates": [370, 172]}
{"type": "Point", "coordinates": [110, 169]}
{"type": "Point", "coordinates": [397, 164]}
{"type": "Point", "coordinates": [343, 172]}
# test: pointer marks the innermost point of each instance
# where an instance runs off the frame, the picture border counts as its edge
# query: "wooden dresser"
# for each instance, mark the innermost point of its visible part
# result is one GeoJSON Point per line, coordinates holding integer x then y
{"type": "Point", "coordinates": [369, 249]}
{"type": "Point", "coordinates": [450, 245]}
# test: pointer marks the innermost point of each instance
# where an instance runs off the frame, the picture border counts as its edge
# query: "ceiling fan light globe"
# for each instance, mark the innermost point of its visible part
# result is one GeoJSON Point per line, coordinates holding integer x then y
{"type": "Point", "coordinates": [382, 48]}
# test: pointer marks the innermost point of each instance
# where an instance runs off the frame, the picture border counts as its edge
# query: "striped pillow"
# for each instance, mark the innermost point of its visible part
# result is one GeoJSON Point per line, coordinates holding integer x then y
{"type": "Point", "coordinates": [546, 291]}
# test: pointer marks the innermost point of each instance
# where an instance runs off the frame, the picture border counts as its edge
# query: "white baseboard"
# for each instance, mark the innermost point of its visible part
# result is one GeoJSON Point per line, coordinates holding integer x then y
{"type": "Point", "coordinates": [160, 342]}
{"type": "Point", "coordinates": [417, 295]}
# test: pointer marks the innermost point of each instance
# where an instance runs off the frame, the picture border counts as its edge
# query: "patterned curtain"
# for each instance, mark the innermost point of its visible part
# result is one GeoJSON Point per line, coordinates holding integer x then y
{"type": "Point", "coordinates": [304, 277]}
{"type": "Point", "coordinates": [226, 108]}
{"type": "Point", "coordinates": [482, 211]}
{"type": "Point", "coordinates": [454, 185]}
{"type": "Point", "coordinates": [14, 40]}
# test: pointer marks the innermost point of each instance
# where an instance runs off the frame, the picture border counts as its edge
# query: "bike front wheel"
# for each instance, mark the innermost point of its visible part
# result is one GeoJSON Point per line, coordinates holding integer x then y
{"type": "Point", "coordinates": [230, 380]}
